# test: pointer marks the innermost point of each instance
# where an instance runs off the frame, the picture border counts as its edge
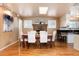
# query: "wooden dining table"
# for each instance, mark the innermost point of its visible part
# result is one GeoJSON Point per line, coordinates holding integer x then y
{"type": "Point", "coordinates": [25, 36]}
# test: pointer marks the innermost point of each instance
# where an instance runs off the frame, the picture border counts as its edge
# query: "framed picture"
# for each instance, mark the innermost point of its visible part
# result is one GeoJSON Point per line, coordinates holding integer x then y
{"type": "Point", "coordinates": [8, 21]}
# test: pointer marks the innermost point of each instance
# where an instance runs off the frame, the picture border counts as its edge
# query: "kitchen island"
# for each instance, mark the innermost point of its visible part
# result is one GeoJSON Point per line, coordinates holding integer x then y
{"type": "Point", "coordinates": [72, 36]}
{"type": "Point", "coordinates": [66, 35]}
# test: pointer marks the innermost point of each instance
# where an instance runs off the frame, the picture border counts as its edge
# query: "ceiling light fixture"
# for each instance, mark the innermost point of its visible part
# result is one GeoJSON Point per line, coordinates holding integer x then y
{"type": "Point", "coordinates": [43, 10]}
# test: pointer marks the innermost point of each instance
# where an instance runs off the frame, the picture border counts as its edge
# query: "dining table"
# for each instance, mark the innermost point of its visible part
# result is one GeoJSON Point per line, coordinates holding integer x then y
{"type": "Point", "coordinates": [37, 37]}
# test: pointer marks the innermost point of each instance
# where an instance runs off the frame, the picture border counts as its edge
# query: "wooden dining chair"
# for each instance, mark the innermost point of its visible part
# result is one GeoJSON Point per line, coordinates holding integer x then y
{"type": "Point", "coordinates": [31, 38]}
{"type": "Point", "coordinates": [43, 38]}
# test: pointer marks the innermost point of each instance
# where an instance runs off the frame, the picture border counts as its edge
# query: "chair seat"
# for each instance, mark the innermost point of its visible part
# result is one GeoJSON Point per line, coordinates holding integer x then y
{"type": "Point", "coordinates": [49, 40]}
{"type": "Point", "coordinates": [26, 40]}
{"type": "Point", "coordinates": [31, 41]}
{"type": "Point", "coordinates": [21, 39]}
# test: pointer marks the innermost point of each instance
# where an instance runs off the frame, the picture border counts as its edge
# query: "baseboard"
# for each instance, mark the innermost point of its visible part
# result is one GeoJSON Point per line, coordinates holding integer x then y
{"type": "Point", "coordinates": [8, 45]}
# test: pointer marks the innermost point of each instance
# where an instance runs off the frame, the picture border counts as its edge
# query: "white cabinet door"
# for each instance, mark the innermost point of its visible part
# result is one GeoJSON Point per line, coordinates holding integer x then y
{"type": "Point", "coordinates": [76, 42]}
{"type": "Point", "coordinates": [70, 38]}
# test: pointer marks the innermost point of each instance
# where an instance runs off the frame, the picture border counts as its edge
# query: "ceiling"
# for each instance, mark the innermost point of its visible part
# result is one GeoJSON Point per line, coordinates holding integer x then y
{"type": "Point", "coordinates": [32, 9]}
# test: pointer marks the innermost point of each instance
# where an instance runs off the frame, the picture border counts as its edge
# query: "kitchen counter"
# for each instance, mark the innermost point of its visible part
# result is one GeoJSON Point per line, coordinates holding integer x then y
{"type": "Point", "coordinates": [72, 37]}
{"type": "Point", "coordinates": [73, 31]}
{"type": "Point", "coordinates": [69, 34]}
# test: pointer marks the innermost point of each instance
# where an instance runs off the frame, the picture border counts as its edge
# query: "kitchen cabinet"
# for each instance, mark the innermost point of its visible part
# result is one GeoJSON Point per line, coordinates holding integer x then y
{"type": "Point", "coordinates": [76, 41]}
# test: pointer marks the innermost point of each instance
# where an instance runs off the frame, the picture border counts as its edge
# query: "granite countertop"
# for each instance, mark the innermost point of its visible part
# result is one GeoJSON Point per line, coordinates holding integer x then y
{"type": "Point", "coordinates": [69, 31]}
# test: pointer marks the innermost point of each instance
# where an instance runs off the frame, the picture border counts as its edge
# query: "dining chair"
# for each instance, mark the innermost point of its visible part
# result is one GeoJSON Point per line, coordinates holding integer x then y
{"type": "Point", "coordinates": [54, 37]}
{"type": "Point", "coordinates": [43, 38]}
{"type": "Point", "coordinates": [21, 39]}
{"type": "Point", "coordinates": [31, 38]}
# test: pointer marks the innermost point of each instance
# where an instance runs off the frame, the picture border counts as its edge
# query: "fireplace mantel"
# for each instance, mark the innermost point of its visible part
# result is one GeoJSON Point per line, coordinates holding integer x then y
{"type": "Point", "coordinates": [40, 27]}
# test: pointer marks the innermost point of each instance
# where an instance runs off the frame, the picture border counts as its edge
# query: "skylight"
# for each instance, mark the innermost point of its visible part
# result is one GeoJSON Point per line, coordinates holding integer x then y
{"type": "Point", "coordinates": [43, 10]}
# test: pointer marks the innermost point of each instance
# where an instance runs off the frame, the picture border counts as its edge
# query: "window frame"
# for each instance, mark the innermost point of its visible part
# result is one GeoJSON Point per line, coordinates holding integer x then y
{"type": "Point", "coordinates": [53, 22]}
{"type": "Point", "coordinates": [27, 22]}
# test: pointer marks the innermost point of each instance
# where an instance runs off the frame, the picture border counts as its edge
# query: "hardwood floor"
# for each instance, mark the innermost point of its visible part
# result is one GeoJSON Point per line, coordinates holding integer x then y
{"type": "Point", "coordinates": [59, 50]}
